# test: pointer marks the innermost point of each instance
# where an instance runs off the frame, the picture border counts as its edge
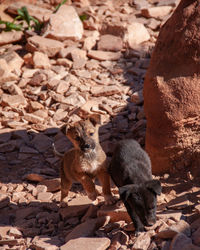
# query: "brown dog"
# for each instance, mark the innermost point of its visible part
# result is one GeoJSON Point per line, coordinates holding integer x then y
{"type": "Point", "coordinates": [86, 160]}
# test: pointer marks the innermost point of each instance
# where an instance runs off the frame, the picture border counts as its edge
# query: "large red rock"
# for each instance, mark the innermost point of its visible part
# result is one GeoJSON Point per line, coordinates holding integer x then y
{"type": "Point", "coordinates": [172, 92]}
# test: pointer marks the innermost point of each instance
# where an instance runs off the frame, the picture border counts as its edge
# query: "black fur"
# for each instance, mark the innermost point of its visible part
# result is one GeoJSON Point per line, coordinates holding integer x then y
{"type": "Point", "coordinates": [130, 169]}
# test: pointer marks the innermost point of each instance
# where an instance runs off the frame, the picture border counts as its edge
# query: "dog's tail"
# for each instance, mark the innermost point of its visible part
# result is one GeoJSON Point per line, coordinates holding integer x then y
{"type": "Point", "coordinates": [56, 152]}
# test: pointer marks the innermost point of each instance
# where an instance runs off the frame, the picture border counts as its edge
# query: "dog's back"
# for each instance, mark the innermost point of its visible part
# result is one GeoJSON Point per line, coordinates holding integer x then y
{"type": "Point", "coordinates": [130, 164]}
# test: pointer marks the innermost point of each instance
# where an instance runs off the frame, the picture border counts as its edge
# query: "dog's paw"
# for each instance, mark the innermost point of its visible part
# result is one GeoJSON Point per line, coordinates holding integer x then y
{"type": "Point", "coordinates": [109, 199]}
{"type": "Point", "coordinates": [64, 203]}
{"type": "Point", "coordinates": [92, 196]}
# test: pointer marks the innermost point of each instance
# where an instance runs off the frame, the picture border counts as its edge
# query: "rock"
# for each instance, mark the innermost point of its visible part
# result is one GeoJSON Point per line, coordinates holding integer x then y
{"type": "Point", "coordinates": [52, 185]}
{"type": "Point", "coordinates": [137, 97]}
{"type": "Point", "coordinates": [10, 37]}
{"type": "Point", "coordinates": [136, 34]}
{"type": "Point", "coordinates": [46, 45]}
{"type": "Point", "coordinates": [15, 232]}
{"type": "Point", "coordinates": [180, 241]}
{"type": "Point", "coordinates": [105, 90]}
{"type": "Point", "coordinates": [196, 237]}
{"type": "Point", "coordinates": [87, 228]}
{"type": "Point", "coordinates": [76, 207]}
{"type": "Point", "coordinates": [176, 145]}
{"type": "Point", "coordinates": [79, 58]}
{"type": "Point", "coordinates": [115, 213]}
{"type": "Point", "coordinates": [156, 12]}
{"type": "Point", "coordinates": [12, 100]}
{"type": "Point", "coordinates": [5, 72]}
{"type": "Point", "coordinates": [90, 41]}
{"type": "Point", "coordinates": [170, 214]}
{"type": "Point", "coordinates": [4, 201]}
{"type": "Point", "coordinates": [33, 118]}
{"type": "Point", "coordinates": [142, 242]}
{"type": "Point", "coordinates": [34, 177]}
{"type": "Point", "coordinates": [64, 24]}
{"type": "Point", "coordinates": [190, 247]}
{"type": "Point", "coordinates": [42, 14]}
{"type": "Point", "coordinates": [104, 55]}
{"type": "Point", "coordinates": [44, 242]}
{"type": "Point", "coordinates": [110, 43]}
{"type": "Point", "coordinates": [41, 142]}
{"type": "Point", "coordinates": [14, 62]}
{"type": "Point", "coordinates": [44, 196]}
{"type": "Point", "coordinates": [74, 100]}
{"type": "Point", "coordinates": [180, 227]}
{"type": "Point", "coordinates": [87, 244]}
{"type": "Point", "coordinates": [41, 60]}
{"type": "Point", "coordinates": [12, 88]}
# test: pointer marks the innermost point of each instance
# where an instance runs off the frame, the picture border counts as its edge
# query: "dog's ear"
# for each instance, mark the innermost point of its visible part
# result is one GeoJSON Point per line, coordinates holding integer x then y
{"type": "Point", "coordinates": [154, 186]}
{"type": "Point", "coordinates": [95, 119]}
{"type": "Point", "coordinates": [126, 191]}
{"type": "Point", "coordinates": [64, 128]}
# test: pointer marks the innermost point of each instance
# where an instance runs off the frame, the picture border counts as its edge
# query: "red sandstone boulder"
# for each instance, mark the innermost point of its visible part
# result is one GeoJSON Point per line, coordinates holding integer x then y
{"type": "Point", "coordinates": [172, 92]}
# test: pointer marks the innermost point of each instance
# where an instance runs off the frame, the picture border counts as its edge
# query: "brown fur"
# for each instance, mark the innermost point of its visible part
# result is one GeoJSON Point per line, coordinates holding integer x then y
{"type": "Point", "coordinates": [86, 160]}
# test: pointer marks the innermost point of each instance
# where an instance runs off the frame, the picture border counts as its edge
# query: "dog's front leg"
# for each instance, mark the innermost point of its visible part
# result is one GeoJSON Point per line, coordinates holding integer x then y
{"type": "Point", "coordinates": [104, 179]}
{"type": "Point", "coordinates": [89, 186]}
{"type": "Point", "coordinates": [65, 186]}
{"type": "Point", "coordinates": [139, 227]}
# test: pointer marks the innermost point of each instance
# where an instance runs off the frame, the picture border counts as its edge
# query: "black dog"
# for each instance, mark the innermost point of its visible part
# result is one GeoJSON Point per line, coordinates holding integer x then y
{"type": "Point", "coordinates": [130, 169]}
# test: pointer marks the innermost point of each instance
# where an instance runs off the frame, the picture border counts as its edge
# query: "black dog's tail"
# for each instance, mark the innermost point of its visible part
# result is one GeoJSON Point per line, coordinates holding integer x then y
{"type": "Point", "coordinates": [56, 152]}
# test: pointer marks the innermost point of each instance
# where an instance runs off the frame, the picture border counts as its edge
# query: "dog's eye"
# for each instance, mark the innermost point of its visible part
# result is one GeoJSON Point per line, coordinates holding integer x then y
{"type": "Point", "coordinates": [77, 138]}
{"type": "Point", "coordinates": [91, 133]}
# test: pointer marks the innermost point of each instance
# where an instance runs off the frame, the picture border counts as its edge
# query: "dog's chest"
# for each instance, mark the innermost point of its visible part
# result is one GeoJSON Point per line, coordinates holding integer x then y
{"type": "Point", "coordinates": [89, 165]}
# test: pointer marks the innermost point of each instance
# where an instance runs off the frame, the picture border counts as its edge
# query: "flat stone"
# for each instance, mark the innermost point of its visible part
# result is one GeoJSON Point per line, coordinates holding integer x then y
{"type": "Point", "coordinates": [76, 207]}
{"type": "Point", "coordinates": [5, 72]}
{"type": "Point", "coordinates": [46, 45]}
{"type": "Point", "coordinates": [33, 118]}
{"type": "Point", "coordinates": [64, 24]}
{"type": "Point", "coordinates": [87, 228]}
{"type": "Point", "coordinates": [44, 196]}
{"type": "Point", "coordinates": [105, 90]}
{"type": "Point", "coordinates": [10, 37]}
{"type": "Point", "coordinates": [12, 100]}
{"type": "Point", "coordinates": [104, 55]}
{"type": "Point", "coordinates": [110, 43]}
{"type": "Point", "coordinates": [34, 177]}
{"type": "Point", "coordinates": [115, 213]}
{"type": "Point", "coordinates": [44, 242]}
{"type": "Point", "coordinates": [157, 12]}
{"type": "Point", "coordinates": [87, 244]}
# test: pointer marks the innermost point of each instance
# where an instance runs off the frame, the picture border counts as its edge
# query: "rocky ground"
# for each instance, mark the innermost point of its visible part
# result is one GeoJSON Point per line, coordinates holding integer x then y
{"type": "Point", "coordinates": [69, 70]}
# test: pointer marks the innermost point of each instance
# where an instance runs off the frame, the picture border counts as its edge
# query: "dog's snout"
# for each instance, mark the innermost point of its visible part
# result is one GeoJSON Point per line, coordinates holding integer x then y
{"type": "Point", "coordinates": [151, 222]}
{"type": "Point", "coordinates": [87, 145]}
